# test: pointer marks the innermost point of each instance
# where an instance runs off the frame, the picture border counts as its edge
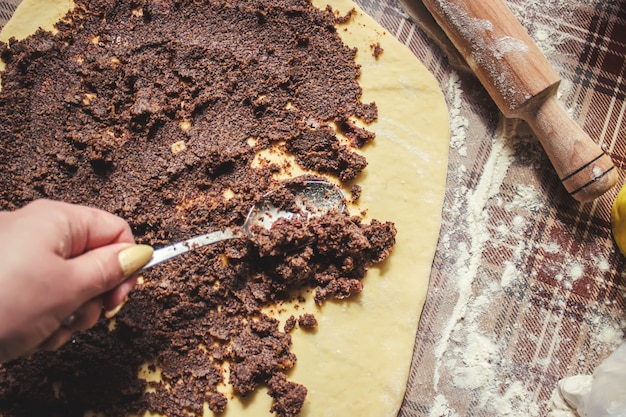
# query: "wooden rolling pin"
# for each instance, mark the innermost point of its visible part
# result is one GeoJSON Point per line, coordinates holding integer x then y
{"type": "Point", "coordinates": [523, 84]}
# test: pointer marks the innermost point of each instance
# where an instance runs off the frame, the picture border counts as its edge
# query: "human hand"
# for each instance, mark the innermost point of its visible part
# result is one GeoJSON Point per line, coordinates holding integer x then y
{"type": "Point", "coordinates": [61, 260]}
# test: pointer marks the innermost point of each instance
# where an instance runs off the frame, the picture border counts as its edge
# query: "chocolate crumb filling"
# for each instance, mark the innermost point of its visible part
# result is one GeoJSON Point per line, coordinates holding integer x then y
{"type": "Point", "coordinates": [155, 110]}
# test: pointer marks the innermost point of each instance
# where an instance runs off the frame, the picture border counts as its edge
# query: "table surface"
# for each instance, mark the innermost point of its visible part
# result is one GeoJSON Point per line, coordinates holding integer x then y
{"type": "Point", "coordinates": [527, 285]}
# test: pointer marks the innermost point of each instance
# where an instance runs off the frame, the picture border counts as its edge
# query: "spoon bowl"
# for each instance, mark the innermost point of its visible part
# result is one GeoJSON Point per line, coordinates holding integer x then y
{"type": "Point", "coordinates": [312, 198]}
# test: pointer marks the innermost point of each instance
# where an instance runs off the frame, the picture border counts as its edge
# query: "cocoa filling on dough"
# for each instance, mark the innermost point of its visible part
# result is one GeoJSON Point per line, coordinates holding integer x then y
{"type": "Point", "coordinates": [156, 110]}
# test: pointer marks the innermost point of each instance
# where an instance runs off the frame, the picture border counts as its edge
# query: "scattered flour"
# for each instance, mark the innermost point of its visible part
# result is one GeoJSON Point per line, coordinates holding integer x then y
{"type": "Point", "coordinates": [467, 353]}
{"type": "Point", "coordinates": [470, 355]}
{"type": "Point", "coordinates": [515, 402]}
{"type": "Point", "coordinates": [602, 263]}
{"type": "Point", "coordinates": [518, 224]}
{"type": "Point", "coordinates": [542, 31]}
{"type": "Point", "coordinates": [458, 122]}
{"type": "Point", "coordinates": [441, 408]}
{"type": "Point", "coordinates": [551, 247]}
{"type": "Point", "coordinates": [508, 44]}
{"type": "Point", "coordinates": [473, 360]}
{"type": "Point", "coordinates": [575, 271]}
{"type": "Point", "coordinates": [511, 267]}
{"type": "Point", "coordinates": [528, 198]}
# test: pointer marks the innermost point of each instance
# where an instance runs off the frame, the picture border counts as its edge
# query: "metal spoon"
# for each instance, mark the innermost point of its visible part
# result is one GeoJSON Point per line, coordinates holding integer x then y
{"type": "Point", "coordinates": [314, 198]}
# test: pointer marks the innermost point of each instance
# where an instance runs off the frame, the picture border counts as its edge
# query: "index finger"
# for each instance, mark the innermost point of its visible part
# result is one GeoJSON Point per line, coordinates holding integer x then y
{"type": "Point", "coordinates": [92, 228]}
{"type": "Point", "coordinates": [83, 228]}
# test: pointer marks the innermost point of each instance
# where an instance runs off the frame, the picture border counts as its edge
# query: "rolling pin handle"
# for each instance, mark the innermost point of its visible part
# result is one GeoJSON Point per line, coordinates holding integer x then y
{"type": "Point", "coordinates": [585, 170]}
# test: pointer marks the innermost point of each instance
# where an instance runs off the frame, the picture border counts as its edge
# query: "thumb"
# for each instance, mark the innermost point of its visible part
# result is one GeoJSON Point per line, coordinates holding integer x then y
{"type": "Point", "coordinates": [102, 269]}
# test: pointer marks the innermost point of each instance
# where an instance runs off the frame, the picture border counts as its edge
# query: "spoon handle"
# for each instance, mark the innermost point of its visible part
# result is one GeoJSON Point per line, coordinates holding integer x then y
{"type": "Point", "coordinates": [171, 251]}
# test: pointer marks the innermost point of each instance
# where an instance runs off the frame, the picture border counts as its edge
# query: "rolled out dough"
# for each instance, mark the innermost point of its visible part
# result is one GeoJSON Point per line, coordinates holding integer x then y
{"type": "Point", "coordinates": [356, 362]}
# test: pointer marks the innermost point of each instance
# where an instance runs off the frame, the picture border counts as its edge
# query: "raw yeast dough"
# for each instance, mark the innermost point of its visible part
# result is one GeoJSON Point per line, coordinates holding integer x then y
{"type": "Point", "coordinates": [356, 362]}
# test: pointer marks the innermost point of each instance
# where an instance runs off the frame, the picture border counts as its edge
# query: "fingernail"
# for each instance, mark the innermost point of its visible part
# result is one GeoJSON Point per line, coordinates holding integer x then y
{"type": "Point", "coordinates": [112, 313]}
{"type": "Point", "coordinates": [133, 258]}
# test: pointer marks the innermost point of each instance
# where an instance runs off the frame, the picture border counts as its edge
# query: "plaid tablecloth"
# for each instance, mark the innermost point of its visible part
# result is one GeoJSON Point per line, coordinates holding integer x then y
{"type": "Point", "coordinates": [527, 286]}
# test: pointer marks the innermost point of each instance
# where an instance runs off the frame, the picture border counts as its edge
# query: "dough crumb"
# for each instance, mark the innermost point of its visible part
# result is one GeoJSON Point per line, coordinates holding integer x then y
{"type": "Point", "coordinates": [308, 321]}
{"type": "Point", "coordinates": [290, 324]}
{"type": "Point", "coordinates": [288, 396]}
{"type": "Point", "coordinates": [355, 192]}
{"type": "Point", "coordinates": [178, 147]}
{"type": "Point", "coordinates": [377, 50]}
{"type": "Point", "coordinates": [346, 18]}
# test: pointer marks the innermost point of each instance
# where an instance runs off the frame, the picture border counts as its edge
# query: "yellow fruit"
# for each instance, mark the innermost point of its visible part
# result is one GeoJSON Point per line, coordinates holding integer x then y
{"type": "Point", "coordinates": [618, 220]}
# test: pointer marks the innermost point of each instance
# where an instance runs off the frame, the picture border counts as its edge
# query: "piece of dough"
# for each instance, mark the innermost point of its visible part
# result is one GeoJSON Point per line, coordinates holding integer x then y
{"type": "Point", "coordinates": [356, 362]}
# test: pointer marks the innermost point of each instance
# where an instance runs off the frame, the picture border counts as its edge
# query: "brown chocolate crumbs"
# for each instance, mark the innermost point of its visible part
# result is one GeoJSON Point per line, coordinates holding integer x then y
{"type": "Point", "coordinates": [307, 320]}
{"type": "Point", "coordinates": [288, 397]}
{"type": "Point", "coordinates": [320, 150]}
{"type": "Point", "coordinates": [355, 192]}
{"type": "Point", "coordinates": [157, 121]}
{"type": "Point", "coordinates": [346, 18]}
{"type": "Point", "coordinates": [357, 135]}
{"type": "Point", "coordinates": [290, 324]}
{"type": "Point", "coordinates": [377, 50]}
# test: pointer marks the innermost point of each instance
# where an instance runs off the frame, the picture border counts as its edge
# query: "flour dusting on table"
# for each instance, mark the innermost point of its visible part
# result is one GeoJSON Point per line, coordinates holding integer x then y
{"type": "Point", "coordinates": [470, 351]}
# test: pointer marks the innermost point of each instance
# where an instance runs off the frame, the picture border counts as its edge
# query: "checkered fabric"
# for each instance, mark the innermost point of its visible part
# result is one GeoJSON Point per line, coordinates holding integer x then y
{"type": "Point", "coordinates": [527, 285]}
{"type": "Point", "coordinates": [6, 10]}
